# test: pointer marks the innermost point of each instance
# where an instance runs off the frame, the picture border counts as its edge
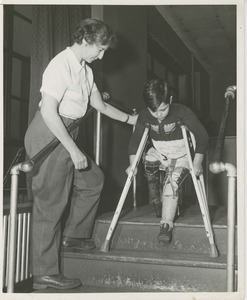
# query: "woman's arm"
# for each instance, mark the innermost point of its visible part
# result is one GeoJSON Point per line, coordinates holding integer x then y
{"type": "Point", "coordinates": [110, 111]}
{"type": "Point", "coordinates": [49, 112]}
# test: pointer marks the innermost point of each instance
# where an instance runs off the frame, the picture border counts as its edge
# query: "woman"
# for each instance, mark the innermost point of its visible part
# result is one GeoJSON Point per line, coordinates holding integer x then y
{"type": "Point", "coordinates": [67, 89]}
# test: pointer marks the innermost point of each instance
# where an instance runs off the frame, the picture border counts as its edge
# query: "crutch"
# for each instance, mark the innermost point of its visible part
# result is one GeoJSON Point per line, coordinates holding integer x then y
{"type": "Point", "coordinates": [106, 244]}
{"type": "Point", "coordinates": [200, 189]}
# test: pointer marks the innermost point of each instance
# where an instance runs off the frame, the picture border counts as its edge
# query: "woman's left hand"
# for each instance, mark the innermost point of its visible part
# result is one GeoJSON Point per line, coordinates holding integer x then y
{"type": "Point", "coordinates": [132, 119]}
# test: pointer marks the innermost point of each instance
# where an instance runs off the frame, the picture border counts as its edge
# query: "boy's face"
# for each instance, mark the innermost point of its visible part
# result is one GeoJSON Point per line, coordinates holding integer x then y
{"type": "Point", "coordinates": [162, 111]}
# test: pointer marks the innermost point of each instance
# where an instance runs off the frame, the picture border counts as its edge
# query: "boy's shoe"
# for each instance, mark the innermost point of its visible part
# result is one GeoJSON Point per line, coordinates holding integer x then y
{"type": "Point", "coordinates": [158, 208]}
{"type": "Point", "coordinates": [165, 235]}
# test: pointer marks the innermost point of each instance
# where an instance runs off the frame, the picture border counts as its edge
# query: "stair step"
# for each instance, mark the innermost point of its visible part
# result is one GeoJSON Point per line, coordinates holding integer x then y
{"type": "Point", "coordinates": [138, 229]}
{"type": "Point", "coordinates": [147, 270]}
{"type": "Point", "coordinates": [151, 257]}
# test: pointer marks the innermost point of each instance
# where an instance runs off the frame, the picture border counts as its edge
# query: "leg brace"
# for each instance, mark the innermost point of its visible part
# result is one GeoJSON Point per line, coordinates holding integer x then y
{"type": "Point", "coordinates": [172, 182]}
{"type": "Point", "coordinates": [152, 173]}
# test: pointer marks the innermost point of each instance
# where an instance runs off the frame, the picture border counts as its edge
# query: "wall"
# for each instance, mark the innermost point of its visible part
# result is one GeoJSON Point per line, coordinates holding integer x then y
{"type": "Point", "coordinates": [125, 73]}
{"type": "Point", "coordinates": [16, 79]}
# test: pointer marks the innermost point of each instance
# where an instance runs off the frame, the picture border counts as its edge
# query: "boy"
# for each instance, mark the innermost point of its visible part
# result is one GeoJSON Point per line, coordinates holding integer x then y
{"type": "Point", "coordinates": [168, 152]}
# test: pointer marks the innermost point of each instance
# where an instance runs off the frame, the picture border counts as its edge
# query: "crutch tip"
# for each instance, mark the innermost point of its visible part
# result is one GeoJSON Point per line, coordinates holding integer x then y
{"type": "Point", "coordinates": [105, 246]}
{"type": "Point", "coordinates": [213, 251]}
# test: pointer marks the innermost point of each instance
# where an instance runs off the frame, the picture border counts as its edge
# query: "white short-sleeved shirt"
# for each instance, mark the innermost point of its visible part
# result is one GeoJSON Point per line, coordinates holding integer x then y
{"type": "Point", "coordinates": [70, 83]}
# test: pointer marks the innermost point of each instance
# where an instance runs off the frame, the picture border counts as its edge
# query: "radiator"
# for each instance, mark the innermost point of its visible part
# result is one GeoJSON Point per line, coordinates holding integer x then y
{"type": "Point", "coordinates": [22, 255]}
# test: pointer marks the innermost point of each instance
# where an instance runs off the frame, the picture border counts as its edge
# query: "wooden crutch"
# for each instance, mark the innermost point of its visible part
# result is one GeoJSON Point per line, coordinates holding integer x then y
{"type": "Point", "coordinates": [200, 190]}
{"type": "Point", "coordinates": [106, 244]}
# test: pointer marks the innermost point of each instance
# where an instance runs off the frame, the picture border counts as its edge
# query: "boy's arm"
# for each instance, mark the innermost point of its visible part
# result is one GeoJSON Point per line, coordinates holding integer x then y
{"type": "Point", "coordinates": [131, 159]}
{"type": "Point", "coordinates": [201, 137]}
{"type": "Point", "coordinates": [190, 120]}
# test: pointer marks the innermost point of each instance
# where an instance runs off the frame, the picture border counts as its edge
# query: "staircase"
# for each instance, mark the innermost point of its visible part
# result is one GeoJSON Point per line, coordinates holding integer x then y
{"type": "Point", "coordinates": [137, 263]}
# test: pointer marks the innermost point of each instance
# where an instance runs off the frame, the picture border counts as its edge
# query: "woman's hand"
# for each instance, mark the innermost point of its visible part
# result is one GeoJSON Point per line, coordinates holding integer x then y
{"type": "Point", "coordinates": [110, 111]}
{"type": "Point", "coordinates": [79, 159]}
{"type": "Point", "coordinates": [132, 119]}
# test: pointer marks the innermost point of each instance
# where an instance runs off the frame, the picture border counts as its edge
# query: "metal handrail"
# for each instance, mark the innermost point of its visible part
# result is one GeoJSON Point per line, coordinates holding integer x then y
{"type": "Point", "coordinates": [216, 167]}
{"type": "Point", "coordinates": [16, 158]}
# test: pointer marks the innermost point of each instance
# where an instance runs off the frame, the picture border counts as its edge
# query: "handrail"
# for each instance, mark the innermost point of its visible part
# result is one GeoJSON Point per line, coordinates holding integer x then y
{"type": "Point", "coordinates": [217, 167]}
{"type": "Point", "coordinates": [17, 156]}
{"type": "Point", "coordinates": [221, 137]}
{"type": "Point", "coordinates": [28, 165]}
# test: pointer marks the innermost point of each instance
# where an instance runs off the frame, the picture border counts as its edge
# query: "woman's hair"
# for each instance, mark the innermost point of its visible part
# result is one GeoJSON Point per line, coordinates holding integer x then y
{"type": "Point", "coordinates": [94, 31]}
{"type": "Point", "coordinates": [155, 92]}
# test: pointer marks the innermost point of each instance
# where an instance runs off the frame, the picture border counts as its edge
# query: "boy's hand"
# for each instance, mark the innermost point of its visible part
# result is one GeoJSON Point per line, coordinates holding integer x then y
{"type": "Point", "coordinates": [129, 169]}
{"type": "Point", "coordinates": [197, 164]}
{"type": "Point", "coordinates": [198, 169]}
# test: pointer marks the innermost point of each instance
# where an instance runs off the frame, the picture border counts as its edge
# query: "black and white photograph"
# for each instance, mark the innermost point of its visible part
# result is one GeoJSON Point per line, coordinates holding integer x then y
{"type": "Point", "coordinates": [122, 150]}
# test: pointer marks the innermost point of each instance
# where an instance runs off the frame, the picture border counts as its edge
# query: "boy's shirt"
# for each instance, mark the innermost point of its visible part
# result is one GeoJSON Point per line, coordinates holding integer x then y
{"type": "Point", "coordinates": [167, 135]}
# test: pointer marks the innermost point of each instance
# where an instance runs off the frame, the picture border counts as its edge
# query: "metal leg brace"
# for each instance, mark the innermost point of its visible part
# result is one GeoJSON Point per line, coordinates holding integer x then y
{"type": "Point", "coordinates": [200, 191]}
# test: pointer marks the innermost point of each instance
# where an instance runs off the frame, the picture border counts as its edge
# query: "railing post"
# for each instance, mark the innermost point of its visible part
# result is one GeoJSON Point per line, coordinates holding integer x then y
{"type": "Point", "coordinates": [98, 138]}
{"type": "Point", "coordinates": [12, 241]}
{"type": "Point", "coordinates": [217, 167]}
{"type": "Point", "coordinates": [98, 144]}
{"type": "Point", "coordinates": [134, 178]}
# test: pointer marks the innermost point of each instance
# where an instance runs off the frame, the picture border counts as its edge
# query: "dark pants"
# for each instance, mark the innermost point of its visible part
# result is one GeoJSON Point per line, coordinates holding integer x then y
{"type": "Point", "coordinates": [54, 179]}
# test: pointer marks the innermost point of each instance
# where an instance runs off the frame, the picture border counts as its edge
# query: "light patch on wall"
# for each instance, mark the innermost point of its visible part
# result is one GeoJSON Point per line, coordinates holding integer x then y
{"type": "Point", "coordinates": [15, 119]}
{"type": "Point", "coordinates": [22, 37]}
{"type": "Point", "coordinates": [16, 78]}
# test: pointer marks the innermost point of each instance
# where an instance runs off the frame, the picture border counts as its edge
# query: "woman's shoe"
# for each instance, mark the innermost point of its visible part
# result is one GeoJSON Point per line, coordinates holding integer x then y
{"type": "Point", "coordinates": [58, 281]}
{"type": "Point", "coordinates": [78, 243]}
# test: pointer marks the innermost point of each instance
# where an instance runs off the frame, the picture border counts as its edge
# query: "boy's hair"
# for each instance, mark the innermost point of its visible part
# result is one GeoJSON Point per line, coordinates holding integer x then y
{"type": "Point", "coordinates": [155, 92]}
{"type": "Point", "coordinates": [94, 31]}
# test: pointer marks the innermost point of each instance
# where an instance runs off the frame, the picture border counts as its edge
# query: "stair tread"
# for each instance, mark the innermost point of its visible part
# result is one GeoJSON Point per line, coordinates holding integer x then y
{"type": "Point", "coordinates": [154, 257]}
{"type": "Point", "coordinates": [190, 217]}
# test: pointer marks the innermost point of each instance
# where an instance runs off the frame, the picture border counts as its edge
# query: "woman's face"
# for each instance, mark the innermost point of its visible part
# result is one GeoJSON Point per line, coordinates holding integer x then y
{"type": "Point", "coordinates": [93, 52]}
{"type": "Point", "coordinates": [162, 111]}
